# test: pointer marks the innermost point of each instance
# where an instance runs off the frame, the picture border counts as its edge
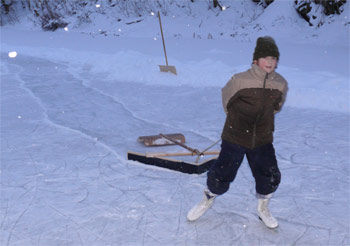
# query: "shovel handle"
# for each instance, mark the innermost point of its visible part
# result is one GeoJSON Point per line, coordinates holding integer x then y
{"type": "Point", "coordinates": [195, 151]}
{"type": "Point", "coordinates": [161, 30]}
{"type": "Point", "coordinates": [180, 154]}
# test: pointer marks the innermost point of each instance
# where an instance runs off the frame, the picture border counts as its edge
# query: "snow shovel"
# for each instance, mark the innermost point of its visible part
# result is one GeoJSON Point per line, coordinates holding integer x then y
{"type": "Point", "coordinates": [160, 140]}
{"type": "Point", "coordinates": [161, 160]}
{"type": "Point", "coordinates": [166, 68]}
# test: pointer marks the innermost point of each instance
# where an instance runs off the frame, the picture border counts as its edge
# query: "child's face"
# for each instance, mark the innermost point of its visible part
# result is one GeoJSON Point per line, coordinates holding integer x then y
{"type": "Point", "coordinates": [268, 64]}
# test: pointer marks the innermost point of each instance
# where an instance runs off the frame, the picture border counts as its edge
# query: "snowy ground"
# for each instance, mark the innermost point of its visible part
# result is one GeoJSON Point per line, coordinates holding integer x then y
{"type": "Point", "coordinates": [73, 105]}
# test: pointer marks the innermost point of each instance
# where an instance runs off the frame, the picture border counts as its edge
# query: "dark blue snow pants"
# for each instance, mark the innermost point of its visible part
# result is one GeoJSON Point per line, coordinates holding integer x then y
{"type": "Point", "coordinates": [262, 162]}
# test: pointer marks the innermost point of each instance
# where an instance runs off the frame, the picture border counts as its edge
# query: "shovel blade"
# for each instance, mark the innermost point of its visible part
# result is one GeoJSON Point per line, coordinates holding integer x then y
{"type": "Point", "coordinates": [158, 140]}
{"type": "Point", "coordinates": [166, 69]}
{"type": "Point", "coordinates": [172, 164]}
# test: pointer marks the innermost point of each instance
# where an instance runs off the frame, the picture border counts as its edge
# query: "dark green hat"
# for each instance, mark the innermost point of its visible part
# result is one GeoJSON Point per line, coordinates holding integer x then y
{"type": "Point", "coordinates": [265, 46]}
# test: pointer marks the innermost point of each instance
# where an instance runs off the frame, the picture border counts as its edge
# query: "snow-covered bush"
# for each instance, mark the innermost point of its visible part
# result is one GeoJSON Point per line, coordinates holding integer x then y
{"type": "Point", "coordinates": [263, 3]}
{"type": "Point", "coordinates": [7, 15]}
{"type": "Point", "coordinates": [317, 12]}
{"type": "Point", "coordinates": [53, 14]}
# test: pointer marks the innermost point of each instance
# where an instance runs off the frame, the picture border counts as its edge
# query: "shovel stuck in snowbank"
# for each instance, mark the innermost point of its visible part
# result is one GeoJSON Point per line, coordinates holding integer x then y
{"type": "Point", "coordinates": [166, 68]}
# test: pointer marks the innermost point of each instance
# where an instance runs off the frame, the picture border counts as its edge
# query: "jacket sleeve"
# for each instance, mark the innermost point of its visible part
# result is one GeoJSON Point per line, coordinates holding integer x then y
{"type": "Point", "coordinates": [228, 92]}
{"type": "Point", "coordinates": [284, 95]}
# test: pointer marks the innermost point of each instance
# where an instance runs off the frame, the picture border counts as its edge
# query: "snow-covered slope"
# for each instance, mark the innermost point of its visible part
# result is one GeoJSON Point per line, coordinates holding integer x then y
{"type": "Point", "coordinates": [317, 72]}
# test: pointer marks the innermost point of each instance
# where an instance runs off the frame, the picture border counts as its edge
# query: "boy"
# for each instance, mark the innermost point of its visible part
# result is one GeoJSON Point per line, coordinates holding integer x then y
{"type": "Point", "coordinates": [250, 100]}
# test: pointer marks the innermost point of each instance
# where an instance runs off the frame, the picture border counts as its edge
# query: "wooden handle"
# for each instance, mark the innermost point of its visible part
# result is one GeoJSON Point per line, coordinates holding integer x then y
{"type": "Point", "coordinates": [215, 152]}
{"type": "Point", "coordinates": [194, 151]}
{"type": "Point", "coordinates": [161, 30]}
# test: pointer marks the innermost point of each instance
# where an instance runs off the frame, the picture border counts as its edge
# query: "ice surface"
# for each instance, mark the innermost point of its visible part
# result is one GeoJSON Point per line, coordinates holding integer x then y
{"type": "Point", "coordinates": [65, 178]}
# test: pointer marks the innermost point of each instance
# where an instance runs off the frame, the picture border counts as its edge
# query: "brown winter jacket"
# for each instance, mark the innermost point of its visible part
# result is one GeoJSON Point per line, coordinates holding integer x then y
{"type": "Point", "coordinates": [250, 100]}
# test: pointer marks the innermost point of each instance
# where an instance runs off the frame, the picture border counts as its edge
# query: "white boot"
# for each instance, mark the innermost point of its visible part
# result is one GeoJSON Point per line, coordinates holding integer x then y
{"type": "Point", "coordinates": [199, 209]}
{"type": "Point", "coordinates": [264, 214]}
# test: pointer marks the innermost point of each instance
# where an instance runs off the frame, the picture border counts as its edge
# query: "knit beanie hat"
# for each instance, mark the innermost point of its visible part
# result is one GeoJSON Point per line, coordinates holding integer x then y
{"type": "Point", "coordinates": [265, 46]}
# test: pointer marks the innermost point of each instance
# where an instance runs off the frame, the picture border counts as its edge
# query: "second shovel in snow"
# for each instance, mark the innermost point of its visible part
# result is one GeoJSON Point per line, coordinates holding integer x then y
{"type": "Point", "coordinates": [164, 68]}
